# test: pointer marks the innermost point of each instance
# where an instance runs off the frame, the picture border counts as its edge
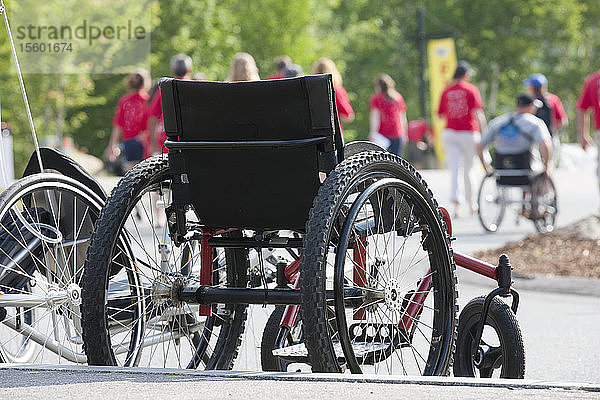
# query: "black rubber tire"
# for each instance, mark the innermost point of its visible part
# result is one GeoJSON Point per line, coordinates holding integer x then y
{"type": "Point", "coordinates": [549, 206]}
{"type": "Point", "coordinates": [269, 342]}
{"type": "Point", "coordinates": [73, 210]}
{"type": "Point", "coordinates": [494, 223]}
{"type": "Point", "coordinates": [504, 323]}
{"type": "Point", "coordinates": [149, 173]}
{"type": "Point", "coordinates": [319, 227]}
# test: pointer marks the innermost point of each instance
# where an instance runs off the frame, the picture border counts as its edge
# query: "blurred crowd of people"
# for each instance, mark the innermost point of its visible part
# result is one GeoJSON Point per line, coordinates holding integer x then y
{"type": "Point", "coordinates": [138, 131]}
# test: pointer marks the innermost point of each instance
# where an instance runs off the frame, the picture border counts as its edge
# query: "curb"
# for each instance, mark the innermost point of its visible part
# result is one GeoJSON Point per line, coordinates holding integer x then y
{"type": "Point", "coordinates": [318, 377]}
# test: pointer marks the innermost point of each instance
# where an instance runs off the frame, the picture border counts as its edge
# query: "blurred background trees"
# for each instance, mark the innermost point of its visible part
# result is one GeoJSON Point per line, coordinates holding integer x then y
{"type": "Point", "coordinates": [504, 41]}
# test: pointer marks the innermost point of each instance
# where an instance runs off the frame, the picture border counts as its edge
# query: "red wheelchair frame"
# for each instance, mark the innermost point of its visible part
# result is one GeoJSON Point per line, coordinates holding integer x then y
{"type": "Point", "coordinates": [205, 295]}
{"type": "Point", "coordinates": [501, 274]}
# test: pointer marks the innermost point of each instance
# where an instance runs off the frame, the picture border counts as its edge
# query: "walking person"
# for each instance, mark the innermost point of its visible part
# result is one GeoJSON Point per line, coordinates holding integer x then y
{"type": "Point", "coordinates": [461, 106]}
{"type": "Point", "coordinates": [325, 65]}
{"type": "Point", "coordinates": [243, 68]}
{"type": "Point", "coordinates": [181, 68]}
{"type": "Point", "coordinates": [552, 111]}
{"type": "Point", "coordinates": [388, 115]}
{"type": "Point", "coordinates": [281, 63]}
{"type": "Point", "coordinates": [588, 102]}
{"type": "Point", "coordinates": [129, 122]}
{"type": "Point", "coordinates": [419, 142]}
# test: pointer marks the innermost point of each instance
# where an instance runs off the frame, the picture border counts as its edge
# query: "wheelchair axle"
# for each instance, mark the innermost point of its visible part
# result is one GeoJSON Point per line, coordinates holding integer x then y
{"type": "Point", "coordinates": [201, 294]}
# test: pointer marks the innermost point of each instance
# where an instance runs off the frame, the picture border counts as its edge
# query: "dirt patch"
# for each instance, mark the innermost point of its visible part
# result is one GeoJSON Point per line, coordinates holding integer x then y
{"type": "Point", "coordinates": [573, 250]}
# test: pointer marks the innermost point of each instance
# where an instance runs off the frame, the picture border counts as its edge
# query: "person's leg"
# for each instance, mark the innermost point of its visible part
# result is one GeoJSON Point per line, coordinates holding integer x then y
{"type": "Point", "coordinates": [468, 143]}
{"type": "Point", "coordinates": [395, 146]}
{"type": "Point", "coordinates": [452, 150]}
{"type": "Point", "coordinates": [597, 140]}
{"type": "Point", "coordinates": [134, 152]}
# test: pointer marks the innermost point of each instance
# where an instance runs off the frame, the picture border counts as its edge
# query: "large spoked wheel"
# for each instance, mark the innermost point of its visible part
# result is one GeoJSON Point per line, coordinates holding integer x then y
{"type": "Point", "coordinates": [544, 204]}
{"type": "Point", "coordinates": [491, 203]}
{"type": "Point", "coordinates": [501, 351]}
{"type": "Point", "coordinates": [46, 221]}
{"type": "Point", "coordinates": [377, 279]}
{"type": "Point", "coordinates": [132, 316]}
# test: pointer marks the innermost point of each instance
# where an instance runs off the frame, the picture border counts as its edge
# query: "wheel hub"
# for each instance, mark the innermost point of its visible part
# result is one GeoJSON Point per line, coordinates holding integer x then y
{"type": "Point", "coordinates": [161, 291]}
{"type": "Point", "coordinates": [74, 294]}
{"type": "Point", "coordinates": [165, 291]}
{"type": "Point", "coordinates": [392, 295]}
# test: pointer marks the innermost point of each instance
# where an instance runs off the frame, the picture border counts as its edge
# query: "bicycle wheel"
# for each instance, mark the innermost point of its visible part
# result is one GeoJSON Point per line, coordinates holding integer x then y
{"type": "Point", "coordinates": [501, 351]}
{"type": "Point", "coordinates": [45, 224]}
{"type": "Point", "coordinates": [544, 204]}
{"type": "Point", "coordinates": [491, 203]}
{"type": "Point", "coordinates": [377, 279]}
{"type": "Point", "coordinates": [144, 324]}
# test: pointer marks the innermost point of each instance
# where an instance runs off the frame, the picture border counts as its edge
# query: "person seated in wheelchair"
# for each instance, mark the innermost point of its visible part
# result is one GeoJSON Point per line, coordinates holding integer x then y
{"type": "Point", "coordinates": [515, 136]}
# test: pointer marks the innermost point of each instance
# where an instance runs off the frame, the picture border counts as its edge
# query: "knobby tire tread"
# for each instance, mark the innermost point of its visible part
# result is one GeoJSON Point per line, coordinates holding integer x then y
{"type": "Point", "coordinates": [320, 351]}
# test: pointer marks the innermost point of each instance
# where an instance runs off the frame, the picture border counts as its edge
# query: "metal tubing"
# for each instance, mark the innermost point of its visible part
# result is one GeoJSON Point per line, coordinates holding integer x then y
{"type": "Point", "coordinates": [484, 313]}
{"type": "Point", "coordinates": [291, 312]}
{"type": "Point", "coordinates": [47, 342]}
{"type": "Point", "coordinates": [210, 295]}
{"type": "Point", "coordinates": [475, 265]}
{"type": "Point", "coordinates": [515, 302]}
{"type": "Point", "coordinates": [194, 294]}
{"type": "Point", "coordinates": [245, 144]}
{"type": "Point", "coordinates": [249, 243]}
{"type": "Point", "coordinates": [206, 269]}
{"type": "Point", "coordinates": [54, 297]}
{"type": "Point", "coordinates": [416, 301]}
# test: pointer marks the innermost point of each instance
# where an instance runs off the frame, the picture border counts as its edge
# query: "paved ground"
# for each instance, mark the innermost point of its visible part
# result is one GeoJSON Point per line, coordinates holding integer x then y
{"type": "Point", "coordinates": [560, 319]}
{"type": "Point", "coordinates": [98, 383]}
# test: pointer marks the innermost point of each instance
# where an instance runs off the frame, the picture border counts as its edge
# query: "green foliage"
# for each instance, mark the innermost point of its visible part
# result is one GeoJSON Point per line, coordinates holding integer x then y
{"type": "Point", "coordinates": [505, 41]}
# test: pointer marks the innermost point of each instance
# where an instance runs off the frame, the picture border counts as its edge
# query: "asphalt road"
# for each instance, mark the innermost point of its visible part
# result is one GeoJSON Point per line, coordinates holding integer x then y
{"type": "Point", "coordinates": [103, 383]}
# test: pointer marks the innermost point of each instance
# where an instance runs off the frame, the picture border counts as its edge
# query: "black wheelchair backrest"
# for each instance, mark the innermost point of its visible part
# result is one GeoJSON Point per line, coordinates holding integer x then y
{"type": "Point", "coordinates": [248, 154]}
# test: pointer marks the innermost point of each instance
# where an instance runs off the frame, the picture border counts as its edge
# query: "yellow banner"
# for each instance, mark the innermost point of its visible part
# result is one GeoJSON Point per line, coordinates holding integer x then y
{"type": "Point", "coordinates": [441, 55]}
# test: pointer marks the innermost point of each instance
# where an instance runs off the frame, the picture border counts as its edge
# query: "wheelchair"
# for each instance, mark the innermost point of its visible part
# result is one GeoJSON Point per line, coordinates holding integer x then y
{"type": "Point", "coordinates": [255, 166]}
{"type": "Point", "coordinates": [513, 185]}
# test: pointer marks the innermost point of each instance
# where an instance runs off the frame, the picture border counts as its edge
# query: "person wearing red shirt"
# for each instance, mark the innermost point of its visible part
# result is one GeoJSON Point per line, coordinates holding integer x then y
{"type": "Point", "coordinates": [588, 102]}
{"type": "Point", "coordinates": [419, 139]}
{"type": "Point", "coordinates": [325, 65]}
{"type": "Point", "coordinates": [388, 115]}
{"type": "Point", "coordinates": [281, 63]}
{"type": "Point", "coordinates": [537, 86]}
{"type": "Point", "coordinates": [129, 122]}
{"type": "Point", "coordinates": [461, 106]}
{"type": "Point", "coordinates": [181, 68]}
